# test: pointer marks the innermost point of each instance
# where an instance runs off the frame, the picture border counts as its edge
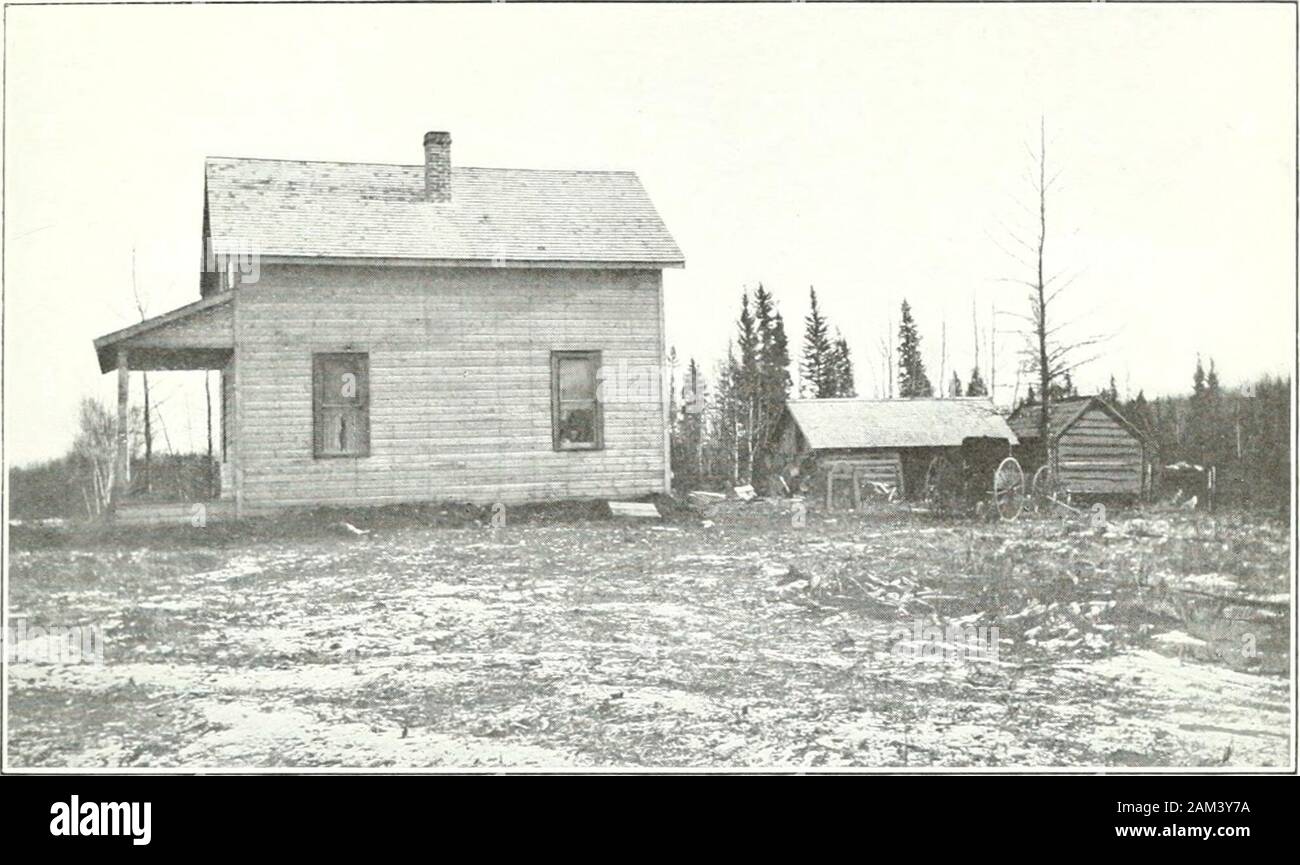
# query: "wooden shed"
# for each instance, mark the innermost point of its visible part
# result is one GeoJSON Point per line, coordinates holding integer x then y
{"type": "Point", "coordinates": [1094, 450]}
{"type": "Point", "coordinates": [889, 441]}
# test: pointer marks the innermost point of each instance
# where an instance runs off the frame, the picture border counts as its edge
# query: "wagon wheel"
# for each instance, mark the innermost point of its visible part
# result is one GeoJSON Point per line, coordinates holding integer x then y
{"type": "Point", "coordinates": [1043, 486]}
{"type": "Point", "coordinates": [942, 490]}
{"type": "Point", "coordinates": [1009, 489]}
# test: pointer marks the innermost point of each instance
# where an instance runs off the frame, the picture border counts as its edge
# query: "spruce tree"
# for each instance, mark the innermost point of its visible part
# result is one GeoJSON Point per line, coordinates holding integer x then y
{"type": "Point", "coordinates": [1216, 425]}
{"type": "Point", "coordinates": [747, 381]}
{"type": "Point", "coordinates": [838, 381]}
{"type": "Point", "coordinates": [1138, 411]}
{"type": "Point", "coordinates": [772, 385]}
{"type": "Point", "coordinates": [912, 380]}
{"type": "Point", "coordinates": [1111, 393]}
{"type": "Point", "coordinates": [976, 387]}
{"type": "Point", "coordinates": [814, 362]}
{"type": "Point", "coordinates": [692, 426]}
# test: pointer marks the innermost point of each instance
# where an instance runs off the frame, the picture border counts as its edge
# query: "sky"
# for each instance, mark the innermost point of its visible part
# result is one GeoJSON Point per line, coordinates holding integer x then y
{"type": "Point", "coordinates": [874, 152]}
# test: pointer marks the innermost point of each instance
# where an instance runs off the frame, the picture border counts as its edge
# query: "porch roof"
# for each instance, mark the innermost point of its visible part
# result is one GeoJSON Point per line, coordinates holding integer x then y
{"type": "Point", "coordinates": [199, 335]}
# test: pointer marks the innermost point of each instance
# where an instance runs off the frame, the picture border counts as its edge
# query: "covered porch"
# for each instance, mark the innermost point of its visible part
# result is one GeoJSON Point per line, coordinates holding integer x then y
{"type": "Point", "coordinates": [199, 337]}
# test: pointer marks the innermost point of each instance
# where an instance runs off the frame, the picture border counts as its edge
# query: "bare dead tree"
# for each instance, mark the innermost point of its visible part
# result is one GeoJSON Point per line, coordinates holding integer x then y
{"type": "Point", "coordinates": [943, 356]}
{"type": "Point", "coordinates": [885, 350]}
{"type": "Point", "coordinates": [993, 352]}
{"type": "Point", "coordinates": [1049, 355]}
{"type": "Point", "coordinates": [141, 306]}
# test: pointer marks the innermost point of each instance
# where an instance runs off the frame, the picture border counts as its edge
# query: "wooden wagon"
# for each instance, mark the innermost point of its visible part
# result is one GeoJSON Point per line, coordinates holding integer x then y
{"type": "Point", "coordinates": [980, 472]}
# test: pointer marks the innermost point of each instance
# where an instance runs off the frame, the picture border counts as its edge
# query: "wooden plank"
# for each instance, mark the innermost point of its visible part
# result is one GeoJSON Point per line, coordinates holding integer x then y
{"type": "Point", "coordinates": [237, 467]}
{"type": "Point", "coordinates": [638, 510]}
{"type": "Point", "coordinates": [667, 421]}
{"type": "Point", "coordinates": [122, 473]}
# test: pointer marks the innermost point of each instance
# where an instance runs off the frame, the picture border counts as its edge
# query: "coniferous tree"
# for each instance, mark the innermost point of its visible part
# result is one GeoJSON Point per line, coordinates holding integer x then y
{"type": "Point", "coordinates": [815, 361]}
{"type": "Point", "coordinates": [838, 381]}
{"type": "Point", "coordinates": [912, 380]}
{"type": "Point", "coordinates": [751, 389]}
{"type": "Point", "coordinates": [1111, 393]}
{"type": "Point", "coordinates": [976, 387]}
{"type": "Point", "coordinates": [954, 385]}
{"type": "Point", "coordinates": [772, 381]}
{"type": "Point", "coordinates": [1216, 424]}
{"type": "Point", "coordinates": [777, 364]}
{"type": "Point", "coordinates": [747, 386]}
{"type": "Point", "coordinates": [1196, 442]}
{"type": "Point", "coordinates": [723, 421]}
{"type": "Point", "coordinates": [1062, 388]}
{"type": "Point", "coordinates": [692, 429]}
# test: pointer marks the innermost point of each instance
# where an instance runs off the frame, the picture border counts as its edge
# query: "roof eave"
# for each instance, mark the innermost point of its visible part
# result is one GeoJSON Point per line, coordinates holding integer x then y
{"type": "Point", "coordinates": [402, 261]}
{"type": "Point", "coordinates": [105, 343]}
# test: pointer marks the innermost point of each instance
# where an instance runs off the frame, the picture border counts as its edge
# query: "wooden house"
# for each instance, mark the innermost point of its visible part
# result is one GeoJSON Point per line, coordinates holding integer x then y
{"type": "Point", "coordinates": [890, 441]}
{"type": "Point", "coordinates": [1093, 449]}
{"type": "Point", "coordinates": [391, 333]}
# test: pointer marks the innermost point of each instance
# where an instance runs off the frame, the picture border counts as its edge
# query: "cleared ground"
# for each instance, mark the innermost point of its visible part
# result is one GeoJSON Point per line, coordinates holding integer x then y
{"type": "Point", "coordinates": [755, 637]}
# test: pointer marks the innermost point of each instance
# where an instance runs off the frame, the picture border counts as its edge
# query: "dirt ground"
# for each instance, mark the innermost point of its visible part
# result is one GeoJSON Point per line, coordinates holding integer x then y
{"type": "Point", "coordinates": [752, 636]}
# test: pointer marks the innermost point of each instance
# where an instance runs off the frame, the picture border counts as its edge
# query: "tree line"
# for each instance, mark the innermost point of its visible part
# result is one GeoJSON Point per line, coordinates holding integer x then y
{"type": "Point", "coordinates": [1244, 433]}
{"type": "Point", "coordinates": [724, 425]}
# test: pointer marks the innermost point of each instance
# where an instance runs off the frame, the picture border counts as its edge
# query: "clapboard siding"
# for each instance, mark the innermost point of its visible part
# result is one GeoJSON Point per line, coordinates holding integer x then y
{"type": "Point", "coordinates": [460, 382]}
{"type": "Point", "coordinates": [1097, 454]}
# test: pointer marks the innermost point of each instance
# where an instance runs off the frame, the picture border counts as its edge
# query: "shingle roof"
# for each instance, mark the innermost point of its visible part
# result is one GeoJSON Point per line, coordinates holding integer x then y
{"type": "Point", "coordinates": [888, 423]}
{"type": "Point", "coordinates": [1060, 414]}
{"type": "Point", "coordinates": [345, 209]}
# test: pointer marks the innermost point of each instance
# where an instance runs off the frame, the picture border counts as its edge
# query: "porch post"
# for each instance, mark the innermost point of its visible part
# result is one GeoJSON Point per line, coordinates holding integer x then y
{"type": "Point", "coordinates": [122, 474]}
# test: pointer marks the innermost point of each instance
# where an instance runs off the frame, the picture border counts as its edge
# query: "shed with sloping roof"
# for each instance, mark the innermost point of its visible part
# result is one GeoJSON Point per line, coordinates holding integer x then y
{"type": "Point", "coordinates": [888, 441]}
{"type": "Point", "coordinates": [1092, 450]}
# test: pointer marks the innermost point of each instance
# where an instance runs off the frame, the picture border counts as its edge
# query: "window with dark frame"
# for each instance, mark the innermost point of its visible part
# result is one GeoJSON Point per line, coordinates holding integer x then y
{"type": "Point", "coordinates": [576, 419]}
{"type": "Point", "coordinates": [341, 404]}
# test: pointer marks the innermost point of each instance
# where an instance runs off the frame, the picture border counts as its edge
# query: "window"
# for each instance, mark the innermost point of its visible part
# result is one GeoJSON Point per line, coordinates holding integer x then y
{"type": "Point", "coordinates": [576, 422]}
{"type": "Point", "coordinates": [341, 385]}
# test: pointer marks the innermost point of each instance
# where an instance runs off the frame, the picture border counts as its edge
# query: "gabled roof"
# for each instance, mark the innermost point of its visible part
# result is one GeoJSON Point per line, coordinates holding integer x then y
{"type": "Point", "coordinates": [896, 423]}
{"type": "Point", "coordinates": [364, 210]}
{"type": "Point", "coordinates": [1061, 415]}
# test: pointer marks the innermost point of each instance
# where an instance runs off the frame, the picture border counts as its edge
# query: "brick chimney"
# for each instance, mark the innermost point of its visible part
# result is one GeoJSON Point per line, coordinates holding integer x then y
{"type": "Point", "coordinates": [437, 166]}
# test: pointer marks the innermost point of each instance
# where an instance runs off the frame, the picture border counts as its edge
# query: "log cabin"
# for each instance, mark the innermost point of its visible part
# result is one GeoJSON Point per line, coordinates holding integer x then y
{"type": "Point", "coordinates": [427, 332]}
{"type": "Point", "coordinates": [886, 441]}
{"type": "Point", "coordinates": [1093, 449]}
